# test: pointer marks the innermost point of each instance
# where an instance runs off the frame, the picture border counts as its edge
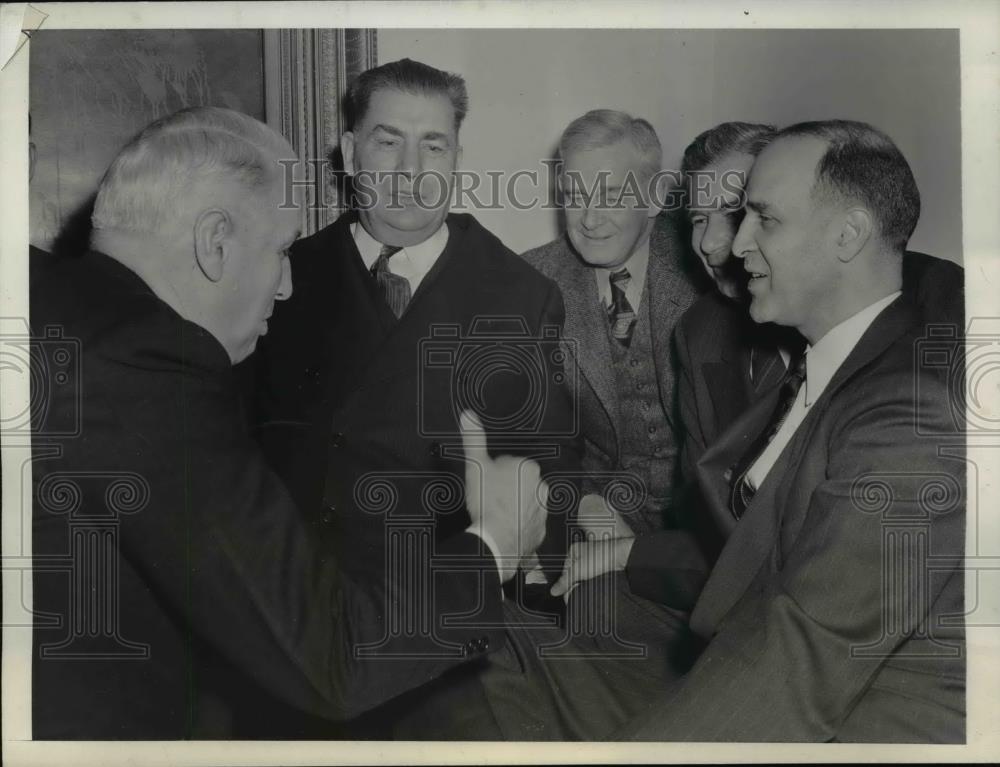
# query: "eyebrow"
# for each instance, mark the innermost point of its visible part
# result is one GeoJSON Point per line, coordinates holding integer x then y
{"type": "Point", "coordinates": [430, 136]}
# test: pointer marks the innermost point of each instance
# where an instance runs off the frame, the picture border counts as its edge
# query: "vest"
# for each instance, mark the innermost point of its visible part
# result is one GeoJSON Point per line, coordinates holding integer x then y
{"type": "Point", "coordinates": [648, 443]}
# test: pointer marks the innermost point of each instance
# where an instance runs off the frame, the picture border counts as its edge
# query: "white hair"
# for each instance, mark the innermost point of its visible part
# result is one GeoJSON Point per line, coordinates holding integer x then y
{"type": "Point", "coordinates": [151, 177]}
{"type": "Point", "coordinates": [606, 127]}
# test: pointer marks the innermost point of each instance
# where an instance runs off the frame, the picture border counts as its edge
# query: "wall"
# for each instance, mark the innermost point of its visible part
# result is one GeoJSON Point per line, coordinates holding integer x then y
{"type": "Point", "coordinates": [526, 85]}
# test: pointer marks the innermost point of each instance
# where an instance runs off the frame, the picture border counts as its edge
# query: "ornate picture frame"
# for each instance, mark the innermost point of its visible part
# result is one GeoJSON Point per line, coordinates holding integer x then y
{"type": "Point", "coordinates": [306, 74]}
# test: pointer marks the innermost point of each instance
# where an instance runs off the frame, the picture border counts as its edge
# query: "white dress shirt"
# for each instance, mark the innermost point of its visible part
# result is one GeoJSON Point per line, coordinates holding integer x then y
{"type": "Point", "coordinates": [822, 362]}
{"type": "Point", "coordinates": [636, 266]}
{"type": "Point", "coordinates": [413, 262]}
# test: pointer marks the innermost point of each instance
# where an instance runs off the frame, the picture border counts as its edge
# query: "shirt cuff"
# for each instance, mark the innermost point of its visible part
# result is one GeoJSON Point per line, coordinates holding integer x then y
{"type": "Point", "coordinates": [486, 538]}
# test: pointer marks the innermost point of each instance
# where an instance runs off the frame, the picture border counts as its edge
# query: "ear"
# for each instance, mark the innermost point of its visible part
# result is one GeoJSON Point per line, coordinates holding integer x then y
{"type": "Point", "coordinates": [855, 231]}
{"type": "Point", "coordinates": [347, 150]}
{"type": "Point", "coordinates": [211, 232]}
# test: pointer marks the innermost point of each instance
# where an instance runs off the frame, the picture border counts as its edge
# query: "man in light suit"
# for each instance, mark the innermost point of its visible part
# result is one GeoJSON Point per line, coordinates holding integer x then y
{"type": "Point", "coordinates": [619, 267]}
{"type": "Point", "coordinates": [834, 610]}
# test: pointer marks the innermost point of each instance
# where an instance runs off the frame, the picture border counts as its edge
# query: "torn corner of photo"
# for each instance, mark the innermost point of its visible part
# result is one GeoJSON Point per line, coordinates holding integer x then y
{"type": "Point", "coordinates": [17, 22]}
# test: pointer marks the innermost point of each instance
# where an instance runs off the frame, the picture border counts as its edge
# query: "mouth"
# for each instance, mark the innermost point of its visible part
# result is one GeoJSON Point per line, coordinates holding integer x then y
{"type": "Point", "coordinates": [597, 238]}
{"type": "Point", "coordinates": [755, 278]}
{"type": "Point", "coordinates": [404, 199]}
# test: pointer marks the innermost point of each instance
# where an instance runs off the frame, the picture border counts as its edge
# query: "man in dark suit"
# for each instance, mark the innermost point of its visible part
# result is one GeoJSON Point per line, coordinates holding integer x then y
{"type": "Point", "coordinates": [177, 593]}
{"type": "Point", "coordinates": [403, 314]}
{"type": "Point", "coordinates": [834, 609]}
{"type": "Point", "coordinates": [619, 267]}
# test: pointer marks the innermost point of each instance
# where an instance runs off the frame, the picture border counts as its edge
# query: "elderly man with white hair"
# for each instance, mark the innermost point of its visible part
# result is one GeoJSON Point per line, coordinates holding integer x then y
{"type": "Point", "coordinates": [177, 592]}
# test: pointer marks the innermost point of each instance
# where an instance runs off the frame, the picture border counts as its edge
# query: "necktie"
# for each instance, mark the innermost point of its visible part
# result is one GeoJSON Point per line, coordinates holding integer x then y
{"type": "Point", "coordinates": [395, 288]}
{"type": "Point", "coordinates": [741, 489]}
{"type": "Point", "coordinates": [620, 314]}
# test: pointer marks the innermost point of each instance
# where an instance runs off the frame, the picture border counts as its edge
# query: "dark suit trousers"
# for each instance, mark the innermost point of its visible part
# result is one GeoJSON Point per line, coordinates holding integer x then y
{"type": "Point", "coordinates": [617, 655]}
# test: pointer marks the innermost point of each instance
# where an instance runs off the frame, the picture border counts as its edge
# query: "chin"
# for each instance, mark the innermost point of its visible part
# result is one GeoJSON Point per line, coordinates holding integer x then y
{"type": "Point", "coordinates": [595, 256]}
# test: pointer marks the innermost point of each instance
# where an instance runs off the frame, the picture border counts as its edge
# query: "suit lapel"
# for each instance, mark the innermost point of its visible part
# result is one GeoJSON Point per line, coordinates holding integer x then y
{"type": "Point", "coordinates": [586, 330]}
{"type": "Point", "coordinates": [432, 299]}
{"type": "Point", "coordinates": [345, 307]}
{"type": "Point", "coordinates": [662, 280]}
{"type": "Point", "coordinates": [756, 534]}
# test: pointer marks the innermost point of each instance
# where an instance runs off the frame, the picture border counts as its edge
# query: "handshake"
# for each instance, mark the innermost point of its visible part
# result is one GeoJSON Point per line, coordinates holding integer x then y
{"type": "Point", "coordinates": [506, 498]}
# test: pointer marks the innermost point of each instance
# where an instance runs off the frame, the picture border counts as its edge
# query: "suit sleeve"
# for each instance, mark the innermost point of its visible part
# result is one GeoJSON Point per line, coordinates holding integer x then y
{"type": "Point", "coordinates": [783, 663]}
{"type": "Point", "coordinates": [563, 470]}
{"type": "Point", "coordinates": [693, 442]}
{"type": "Point", "coordinates": [222, 544]}
{"type": "Point", "coordinates": [667, 566]}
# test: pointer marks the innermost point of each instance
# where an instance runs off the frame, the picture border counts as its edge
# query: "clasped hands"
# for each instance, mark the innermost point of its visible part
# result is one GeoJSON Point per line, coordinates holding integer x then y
{"type": "Point", "coordinates": [506, 498]}
{"type": "Point", "coordinates": [605, 547]}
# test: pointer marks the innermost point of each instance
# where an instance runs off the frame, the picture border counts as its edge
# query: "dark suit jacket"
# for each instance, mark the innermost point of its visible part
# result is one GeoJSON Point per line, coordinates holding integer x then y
{"type": "Point", "coordinates": [835, 609]}
{"type": "Point", "coordinates": [715, 341]}
{"type": "Point", "coordinates": [212, 613]}
{"type": "Point", "coordinates": [359, 412]}
{"type": "Point", "coordinates": [670, 293]}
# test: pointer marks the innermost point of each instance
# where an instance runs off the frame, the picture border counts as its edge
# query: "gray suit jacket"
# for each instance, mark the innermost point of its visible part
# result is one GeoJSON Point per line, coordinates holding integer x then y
{"type": "Point", "coordinates": [834, 611]}
{"type": "Point", "coordinates": [585, 335]}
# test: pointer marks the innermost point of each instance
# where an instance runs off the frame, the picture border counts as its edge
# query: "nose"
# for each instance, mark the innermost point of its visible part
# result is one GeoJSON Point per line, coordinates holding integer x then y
{"type": "Point", "coordinates": [593, 216]}
{"type": "Point", "coordinates": [285, 285]}
{"type": "Point", "coordinates": [717, 241]}
{"type": "Point", "coordinates": [743, 243]}
{"type": "Point", "coordinates": [410, 163]}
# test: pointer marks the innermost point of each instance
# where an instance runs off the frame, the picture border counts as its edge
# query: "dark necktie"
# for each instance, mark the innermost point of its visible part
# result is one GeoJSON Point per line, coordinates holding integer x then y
{"type": "Point", "coordinates": [395, 288]}
{"type": "Point", "coordinates": [620, 314]}
{"type": "Point", "coordinates": [741, 489]}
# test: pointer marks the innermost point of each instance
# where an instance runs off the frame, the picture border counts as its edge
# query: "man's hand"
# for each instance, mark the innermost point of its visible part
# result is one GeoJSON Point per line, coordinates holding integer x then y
{"type": "Point", "coordinates": [590, 558]}
{"type": "Point", "coordinates": [596, 517]}
{"type": "Point", "coordinates": [505, 496]}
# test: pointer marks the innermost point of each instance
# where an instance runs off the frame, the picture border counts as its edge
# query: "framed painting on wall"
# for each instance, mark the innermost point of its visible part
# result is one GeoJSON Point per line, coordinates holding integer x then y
{"type": "Point", "coordinates": [92, 90]}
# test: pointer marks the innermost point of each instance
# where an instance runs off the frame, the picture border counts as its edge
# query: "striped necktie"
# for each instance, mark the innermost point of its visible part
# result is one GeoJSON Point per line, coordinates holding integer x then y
{"type": "Point", "coordinates": [741, 488]}
{"type": "Point", "coordinates": [620, 314]}
{"type": "Point", "coordinates": [395, 288]}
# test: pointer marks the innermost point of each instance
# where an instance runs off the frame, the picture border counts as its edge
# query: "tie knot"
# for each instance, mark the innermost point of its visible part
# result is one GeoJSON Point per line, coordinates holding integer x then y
{"type": "Point", "coordinates": [388, 251]}
{"type": "Point", "coordinates": [620, 277]}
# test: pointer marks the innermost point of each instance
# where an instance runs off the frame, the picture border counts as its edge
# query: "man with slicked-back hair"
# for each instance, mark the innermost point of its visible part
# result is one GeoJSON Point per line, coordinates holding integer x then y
{"type": "Point", "coordinates": [402, 312]}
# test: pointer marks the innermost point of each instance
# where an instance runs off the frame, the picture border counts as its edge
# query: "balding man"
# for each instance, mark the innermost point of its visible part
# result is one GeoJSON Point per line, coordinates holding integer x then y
{"type": "Point", "coordinates": [834, 610]}
{"type": "Point", "coordinates": [177, 592]}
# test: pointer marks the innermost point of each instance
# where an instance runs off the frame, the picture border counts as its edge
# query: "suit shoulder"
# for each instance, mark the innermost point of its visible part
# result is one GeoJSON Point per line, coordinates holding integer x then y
{"type": "Point", "coordinates": [709, 314]}
{"type": "Point", "coordinates": [498, 258]}
{"type": "Point", "coordinates": [547, 258]}
{"type": "Point", "coordinates": [310, 252]}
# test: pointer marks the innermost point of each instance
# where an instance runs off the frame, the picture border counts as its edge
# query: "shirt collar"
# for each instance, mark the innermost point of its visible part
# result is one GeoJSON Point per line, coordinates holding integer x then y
{"type": "Point", "coordinates": [422, 253]}
{"type": "Point", "coordinates": [829, 353]}
{"type": "Point", "coordinates": [636, 264]}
